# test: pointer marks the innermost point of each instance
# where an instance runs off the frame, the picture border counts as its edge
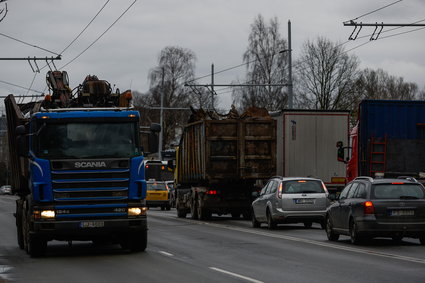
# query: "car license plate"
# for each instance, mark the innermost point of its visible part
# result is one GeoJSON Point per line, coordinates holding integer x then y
{"type": "Point", "coordinates": [304, 201]}
{"type": "Point", "coordinates": [402, 212]}
{"type": "Point", "coordinates": [92, 224]}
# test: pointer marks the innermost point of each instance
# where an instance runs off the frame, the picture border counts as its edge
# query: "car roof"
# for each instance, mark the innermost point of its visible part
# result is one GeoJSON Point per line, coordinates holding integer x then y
{"type": "Point", "coordinates": [296, 178]}
{"type": "Point", "coordinates": [406, 180]}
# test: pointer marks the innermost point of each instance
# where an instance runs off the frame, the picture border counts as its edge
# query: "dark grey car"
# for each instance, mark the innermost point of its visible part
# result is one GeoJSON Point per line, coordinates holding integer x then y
{"type": "Point", "coordinates": [291, 200]}
{"type": "Point", "coordinates": [370, 207]}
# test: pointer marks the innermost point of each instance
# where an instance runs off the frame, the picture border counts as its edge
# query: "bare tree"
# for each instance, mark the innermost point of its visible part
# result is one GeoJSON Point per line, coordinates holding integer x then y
{"type": "Point", "coordinates": [175, 66]}
{"type": "Point", "coordinates": [3, 11]}
{"type": "Point", "coordinates": [378, 84]}
{"type": "Point", "coordinates": [325, 76]}
{"type": "Point", "coordinates": [265, 65]}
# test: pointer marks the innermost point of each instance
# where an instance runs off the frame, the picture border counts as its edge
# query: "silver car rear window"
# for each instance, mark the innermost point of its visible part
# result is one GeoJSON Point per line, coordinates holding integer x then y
{"type": "Point", "coordinates": [398, 191]}
{"type": "Point", "coordinates": [302, 186]}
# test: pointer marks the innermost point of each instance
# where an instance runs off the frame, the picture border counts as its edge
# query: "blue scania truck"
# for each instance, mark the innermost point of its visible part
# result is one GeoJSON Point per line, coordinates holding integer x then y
{"type": "Point", "coordinates": [77, 167]}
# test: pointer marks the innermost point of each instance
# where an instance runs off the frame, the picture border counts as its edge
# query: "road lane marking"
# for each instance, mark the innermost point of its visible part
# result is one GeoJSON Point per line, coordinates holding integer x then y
{"type": "Point", "coordinates": [165, 253]}
{"type": "Point", "coordinates": [301, 240]}
{"type": "Point", "coordinates": [236, 275]}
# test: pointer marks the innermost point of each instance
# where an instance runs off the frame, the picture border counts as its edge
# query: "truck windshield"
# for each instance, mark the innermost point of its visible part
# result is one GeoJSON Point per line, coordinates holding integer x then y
{"type": "Point", "coordinates": [87, 140]}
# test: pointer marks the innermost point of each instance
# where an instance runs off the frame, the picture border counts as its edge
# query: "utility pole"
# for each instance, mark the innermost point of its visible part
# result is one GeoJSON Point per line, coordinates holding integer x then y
{"type": "Point", "coordinates": [212, 86]}
{"type": "Point", "coordinates": [290, 89]}
{"type": "Point", "coordinates": [161, 133]}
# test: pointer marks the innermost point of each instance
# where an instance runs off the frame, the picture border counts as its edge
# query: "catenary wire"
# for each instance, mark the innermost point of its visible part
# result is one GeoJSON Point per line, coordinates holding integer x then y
{"type": "Point", "coordinates": [98, 38]}
{"type": "Point", "coordinates": [29, 44]}
{"type": "Point", "coordinates": [376, 10]}
{"type": "Point", "coordinates": [85, 28]}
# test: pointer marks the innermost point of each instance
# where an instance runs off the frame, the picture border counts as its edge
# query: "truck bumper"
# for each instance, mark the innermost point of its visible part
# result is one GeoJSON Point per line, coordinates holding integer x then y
{"type": "Point", "coordinates": [88, 229]}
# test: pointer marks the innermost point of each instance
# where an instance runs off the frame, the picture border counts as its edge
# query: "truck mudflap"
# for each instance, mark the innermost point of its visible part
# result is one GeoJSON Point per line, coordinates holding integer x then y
{"type": "Point", "coordinates": [88, 229]}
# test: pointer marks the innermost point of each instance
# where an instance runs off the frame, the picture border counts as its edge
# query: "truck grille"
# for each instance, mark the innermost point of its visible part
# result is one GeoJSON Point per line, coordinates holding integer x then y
{"type": "Point", "coordinates": [90, 185]}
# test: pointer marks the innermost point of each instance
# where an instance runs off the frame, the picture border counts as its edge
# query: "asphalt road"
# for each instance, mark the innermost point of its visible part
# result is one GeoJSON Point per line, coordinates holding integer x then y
{"type": "Point", "coordinates": [220, 250]}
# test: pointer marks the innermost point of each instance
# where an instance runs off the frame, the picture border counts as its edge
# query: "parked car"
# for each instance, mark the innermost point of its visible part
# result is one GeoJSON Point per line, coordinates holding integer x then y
{"type": "Point", "coordinates": [5, 190]}
{"type": "Point", "coordinates": [291, 200]}
{"type": "Point", "coordinates": [368, 208]}
{"type": "Point", "coordinates": [157, 195]}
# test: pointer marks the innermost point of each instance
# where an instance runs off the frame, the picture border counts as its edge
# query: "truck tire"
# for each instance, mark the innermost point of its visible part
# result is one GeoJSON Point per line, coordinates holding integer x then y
{"type": "Point", "coordinates": [135, 241]}
{"type": "Point", "coordinates": [194, 209]}
{"type": "Point", "coordinates": [19, 226]}
{"type": "Point", "coordinates": [34, 246]}
{"type": "Point", "coordinates": [203, 213]}
{"type": "Point", "coordinates": [181, 212]}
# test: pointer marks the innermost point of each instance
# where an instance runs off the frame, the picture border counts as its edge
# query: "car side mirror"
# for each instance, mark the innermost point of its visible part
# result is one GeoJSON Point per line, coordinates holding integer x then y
{"type": "Point", "coordinates": [255, 194]}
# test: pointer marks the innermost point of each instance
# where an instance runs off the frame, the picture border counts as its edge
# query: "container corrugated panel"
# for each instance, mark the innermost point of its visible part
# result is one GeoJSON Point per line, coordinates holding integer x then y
{"type": "Point", "coordinates": [402, 125]}
{"type": "Point", "coordinates": [393, 118]}
{"type": "Point", "coordinates": [228, 149]}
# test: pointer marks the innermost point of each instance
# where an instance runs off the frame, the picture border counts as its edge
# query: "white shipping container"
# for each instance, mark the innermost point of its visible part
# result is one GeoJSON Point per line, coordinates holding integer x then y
{"type": "Point", "coordinates": [306, 144]}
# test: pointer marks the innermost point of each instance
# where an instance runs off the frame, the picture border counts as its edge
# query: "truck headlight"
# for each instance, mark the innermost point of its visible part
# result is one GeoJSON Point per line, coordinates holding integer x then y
{"type": "Point", "coordinates": [47, 214]}
{"type": "Point", "coordinates": [136, 211]}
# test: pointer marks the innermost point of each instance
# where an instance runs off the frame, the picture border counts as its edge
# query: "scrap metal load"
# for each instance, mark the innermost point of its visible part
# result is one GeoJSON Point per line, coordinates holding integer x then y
{"type": "Point", "coordinates": [220, 160]}
{"type": "Point", "coordinates": [91, 93]}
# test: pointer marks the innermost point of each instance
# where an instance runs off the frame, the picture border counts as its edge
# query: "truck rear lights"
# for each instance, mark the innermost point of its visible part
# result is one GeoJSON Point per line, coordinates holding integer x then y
{"type": "Point", "coordinates": [368, 207]}
{"type": "Point", "coordinates": [211, 192]}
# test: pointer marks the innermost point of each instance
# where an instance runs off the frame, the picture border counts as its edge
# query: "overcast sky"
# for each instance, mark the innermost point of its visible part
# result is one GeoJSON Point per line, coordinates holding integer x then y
{"type": "Point", "coordinates": [215, 30]}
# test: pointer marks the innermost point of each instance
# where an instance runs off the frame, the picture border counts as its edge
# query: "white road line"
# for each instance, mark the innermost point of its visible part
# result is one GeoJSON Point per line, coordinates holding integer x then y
{"type": "Point", "coordinates": [301, 240]}
{"type": "Point", "coordinates": [165, 253]}
{"type": "Point", "coordinates": [236, 275]}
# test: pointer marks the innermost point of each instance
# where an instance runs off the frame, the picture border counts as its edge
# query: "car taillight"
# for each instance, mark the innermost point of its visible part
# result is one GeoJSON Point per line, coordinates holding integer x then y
{"type": "Point", "coordinates": [211, 192]}
{"type": "Point", "coordinates": [280, 191]}
{"type": "Point", "coordinates": [368, 207]}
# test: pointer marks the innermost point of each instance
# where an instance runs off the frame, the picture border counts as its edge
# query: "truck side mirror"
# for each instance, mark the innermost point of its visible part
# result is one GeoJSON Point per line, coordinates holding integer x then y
{"type": "Point", "coordinates": [340, 153]}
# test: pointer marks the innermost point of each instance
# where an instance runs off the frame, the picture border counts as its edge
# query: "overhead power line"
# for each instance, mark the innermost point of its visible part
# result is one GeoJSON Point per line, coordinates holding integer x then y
{"type": "Point", "coordinates": [29, 44]}
{"type": "Point", "coordinates": [18, 86]}
{"type": "Point", "coordinates": [84, 29]}
{"type": "Point", "coordinates": [376, 10]}
{"type": "Point", "coordinates": [98, 38]}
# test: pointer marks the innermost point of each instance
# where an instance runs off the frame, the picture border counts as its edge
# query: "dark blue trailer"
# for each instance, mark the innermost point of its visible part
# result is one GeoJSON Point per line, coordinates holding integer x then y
{"type": "Point", "coordinates": [389, 139]}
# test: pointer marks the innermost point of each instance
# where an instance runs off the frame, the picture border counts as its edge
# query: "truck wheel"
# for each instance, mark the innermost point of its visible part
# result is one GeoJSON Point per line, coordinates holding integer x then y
{"type": "Point", "coordinates": [194, 209]}
{"type": "Point", "coordinates": [135, 241]}
{"type": "Point", "coordinates": [33, 245]}
{"type": "Point", "coordinates": [36, 246]}
{"type": "Point", "coordinates": [181, 213]}
{"type": "Point", "coordinates": [203, 213]}
{"type": "Point", "coordinates": [19, 226]}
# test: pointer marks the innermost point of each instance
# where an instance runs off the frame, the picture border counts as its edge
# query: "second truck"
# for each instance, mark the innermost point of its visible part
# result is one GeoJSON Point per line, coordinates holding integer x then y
{"type": "Point", "coordinates": [220, 162]}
